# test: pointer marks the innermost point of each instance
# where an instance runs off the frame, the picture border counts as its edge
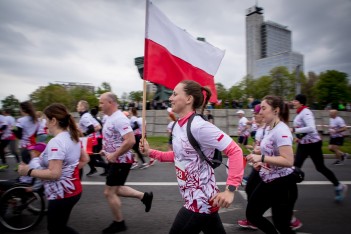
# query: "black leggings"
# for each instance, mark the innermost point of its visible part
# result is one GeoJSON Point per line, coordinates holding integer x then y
{"type": "Point", "coordinates": [136, 148]}
{"type": "Point", "coordinates": [58, 214]}
{"type": "Point", "coordinates": [314, 150]}
{"type": "Point", "coordinates": [189, 222]}
{"type": "Point", "coordinates": [253, 180]}
{"type": "Point", "coordinates": [3, 144]}
{"type": "Point", "coordinates": [280, 195]}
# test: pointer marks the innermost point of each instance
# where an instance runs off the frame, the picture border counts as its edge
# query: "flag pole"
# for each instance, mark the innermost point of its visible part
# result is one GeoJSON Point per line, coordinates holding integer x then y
{"type": "Point", "coordinates": [143, 112]}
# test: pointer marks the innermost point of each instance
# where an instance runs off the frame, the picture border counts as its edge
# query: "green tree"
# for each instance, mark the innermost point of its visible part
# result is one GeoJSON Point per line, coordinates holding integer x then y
{"type": "Point", "coordinates": [282, 82]}
{"type": "Point", "coordinates": [262, 87]}
{"type": "Point", "coordinates": [307, 88]}
{"type": "Point", "coordinates": [81, 93]}
{"type": "Point", "coordinates": [44, 96]}
{"type": "Point", "coordinates": [222, 93]}
{"type": "Point", "coordinates": [105, 87]}
{"type": "Point", "coordinates": [12, 103]}
{"type": "Point", "coordinates": [136, 96]}
{"type": "Point", "coordinates": [331, 87]}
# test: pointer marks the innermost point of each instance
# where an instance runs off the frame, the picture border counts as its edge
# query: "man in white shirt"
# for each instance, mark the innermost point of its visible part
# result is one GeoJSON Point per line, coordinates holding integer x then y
{"type": "Point", "coordinates": [336, 128]}
{"type": "Point", "coordinates": [243, 128]}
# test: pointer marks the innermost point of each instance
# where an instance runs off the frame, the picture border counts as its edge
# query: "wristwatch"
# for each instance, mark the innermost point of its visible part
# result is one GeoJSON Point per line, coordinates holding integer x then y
{"type": "Point", "coordinates": [231, 188]}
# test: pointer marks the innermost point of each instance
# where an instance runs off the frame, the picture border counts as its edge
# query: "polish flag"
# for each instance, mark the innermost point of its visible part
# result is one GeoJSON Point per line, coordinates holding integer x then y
{"type": "Point", "coordinates": [173, 55]}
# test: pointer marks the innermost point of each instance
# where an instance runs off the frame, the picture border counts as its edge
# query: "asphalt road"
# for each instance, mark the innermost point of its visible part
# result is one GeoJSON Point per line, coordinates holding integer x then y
{"type": "Point", "coordinates": [315, 207]}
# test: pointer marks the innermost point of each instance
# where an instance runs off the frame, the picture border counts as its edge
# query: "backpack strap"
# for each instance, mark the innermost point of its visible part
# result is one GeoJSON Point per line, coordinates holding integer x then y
{"type": "Point", "coordinates": [195, 144]}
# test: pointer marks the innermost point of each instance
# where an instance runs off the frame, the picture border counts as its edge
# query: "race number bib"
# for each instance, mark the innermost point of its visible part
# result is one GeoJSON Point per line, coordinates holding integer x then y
{"type": "Point", "coordinates": [180, 170]}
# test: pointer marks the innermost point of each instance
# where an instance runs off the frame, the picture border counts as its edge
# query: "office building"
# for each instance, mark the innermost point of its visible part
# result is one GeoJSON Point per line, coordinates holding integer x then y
{"type": "Point", "coordinates": [268, 45]}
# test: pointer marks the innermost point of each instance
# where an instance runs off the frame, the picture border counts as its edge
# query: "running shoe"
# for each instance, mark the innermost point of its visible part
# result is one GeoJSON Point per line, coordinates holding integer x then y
{"type": "Point", "coordinates": [340, 192]}
{"type": "Point", "coordinates": [152, 162]}
{"type": "Point", "coordinates": [135, 165]}
{"type": "Point", "coordinates": [115, 227]}
{"type": "Point", "coordinates": [344, 156]}
{"type": "Point", "coordinates": [296, 224]}
{"type": "Point", "coordinates": [244, 223]}
{"type": "Point", "coordinates": [147, 201]}
{"type": "Point", "coordinates": [144, 165]}
{"type": "Point", "coordinates": [92, 172]}
{"type": "Point", "coordinates": [104, 173]}
{"type": "Point", "coordinates": [338, 162]}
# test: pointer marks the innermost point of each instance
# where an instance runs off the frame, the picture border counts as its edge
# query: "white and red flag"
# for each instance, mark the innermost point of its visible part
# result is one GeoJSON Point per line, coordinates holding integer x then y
{"type": "Point", "coordinates": [173, 55]}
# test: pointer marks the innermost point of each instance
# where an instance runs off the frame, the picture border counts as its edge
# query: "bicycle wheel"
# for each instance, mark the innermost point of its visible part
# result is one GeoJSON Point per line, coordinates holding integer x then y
{"type": "Point", "coordinates": [16, 213]}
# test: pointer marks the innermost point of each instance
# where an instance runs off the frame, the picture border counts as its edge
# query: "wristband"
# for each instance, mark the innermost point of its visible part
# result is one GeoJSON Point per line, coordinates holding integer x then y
{"type": "Point", "coordinates": [262, 159]}
{"type": "Point", "coordinates": [30, 171]}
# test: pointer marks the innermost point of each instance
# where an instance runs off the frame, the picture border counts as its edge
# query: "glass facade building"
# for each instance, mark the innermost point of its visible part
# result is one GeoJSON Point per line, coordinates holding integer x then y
{"type": "Point", "coordinates": [268, 45]}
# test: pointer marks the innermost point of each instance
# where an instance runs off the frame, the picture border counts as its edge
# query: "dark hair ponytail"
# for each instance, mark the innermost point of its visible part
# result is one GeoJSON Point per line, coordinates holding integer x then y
{"type": "Point", "coordinates": [28, 108]}
{"type": "Point", "coordinates": [206, 99]}
{"type": "Point", "coordinates": [64, 119]}
{"type": "Point", "coordinates": [275, 102]}
{"type": "Point", "coordinates": [197, 91]}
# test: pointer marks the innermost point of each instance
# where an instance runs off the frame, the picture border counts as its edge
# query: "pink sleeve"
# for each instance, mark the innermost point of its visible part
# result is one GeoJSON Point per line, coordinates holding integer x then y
{"type": "Point", "coordinates": [162, 156]}
{"type": "Point", "coordinates": [236, 164]}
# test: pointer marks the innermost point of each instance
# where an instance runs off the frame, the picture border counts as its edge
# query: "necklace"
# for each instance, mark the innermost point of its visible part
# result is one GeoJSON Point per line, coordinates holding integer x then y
{"type": "Point", "coordinates": [275, 124]}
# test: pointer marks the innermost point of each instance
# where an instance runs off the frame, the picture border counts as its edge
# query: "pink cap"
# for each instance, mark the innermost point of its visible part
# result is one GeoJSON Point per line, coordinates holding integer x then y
{"type": "Point", "coordinates": [40, 147]}
{"type": "Point", "coordinates": [257, 108]}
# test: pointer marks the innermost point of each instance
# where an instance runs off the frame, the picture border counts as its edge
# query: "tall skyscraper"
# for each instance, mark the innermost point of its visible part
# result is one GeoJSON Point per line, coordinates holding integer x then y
{"type": "Point", "coordinates": [268, 45]}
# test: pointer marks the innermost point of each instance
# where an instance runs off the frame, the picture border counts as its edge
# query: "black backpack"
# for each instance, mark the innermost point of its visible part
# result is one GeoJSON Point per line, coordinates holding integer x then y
{"type": "Point", "coordinates": [217, 157]}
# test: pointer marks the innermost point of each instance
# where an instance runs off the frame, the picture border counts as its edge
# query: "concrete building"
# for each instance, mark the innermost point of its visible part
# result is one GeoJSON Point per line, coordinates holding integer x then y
{"type": "Point", "coordinates": [268, 45]}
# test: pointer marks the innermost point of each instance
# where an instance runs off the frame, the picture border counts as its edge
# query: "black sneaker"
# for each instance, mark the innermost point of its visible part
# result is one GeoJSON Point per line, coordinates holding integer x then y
{"type": "Point", "coordinates": [115, 227]}
{"type": "Point", "coordinates": [338, 162]}
{"type": "Point", "coordinates": [147, 201]}
{"type": "Point", "coordinates": [92, 172]}
{"type": "Point", "coordinates": [104, 174]}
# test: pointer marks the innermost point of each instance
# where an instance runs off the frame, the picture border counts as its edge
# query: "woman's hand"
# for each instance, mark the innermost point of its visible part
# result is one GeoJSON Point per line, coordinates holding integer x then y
{"type": "Point", "coordinates": [144, 147]}
{"type": "Point", "coordinates": [254, 158]}
{"type": "Point", "coordinates": [223, 199]}
{"type": "Point", "coordinates": [23, 169]}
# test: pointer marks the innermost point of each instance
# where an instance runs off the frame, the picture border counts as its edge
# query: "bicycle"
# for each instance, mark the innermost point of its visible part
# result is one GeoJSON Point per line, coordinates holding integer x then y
{"type": "Point", "coordinates": [21, 208]}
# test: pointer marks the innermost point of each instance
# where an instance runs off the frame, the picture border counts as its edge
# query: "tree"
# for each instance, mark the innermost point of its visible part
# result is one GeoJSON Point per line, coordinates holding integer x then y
{"type": "Point", "coordinates": [81, 93]}
{"type": "Point", "coordinates": [222, 93]}
{"type": "Point", "coordinates": [44, 96]}
{"type": "Point", "coordinates": [262, 87]}
{"type": "Point", "coordinates": [12, 103]}
{"type": "Point", "coordinates": [283, 84]}
{"type": "Point", "coordinates": [332, 87]}
{"type": "Point", "coordinates": [136, 96]}
{"type": "Point", "coordinates": [105, 87]}
{"type": "Point", "coordinates": [307, 88]}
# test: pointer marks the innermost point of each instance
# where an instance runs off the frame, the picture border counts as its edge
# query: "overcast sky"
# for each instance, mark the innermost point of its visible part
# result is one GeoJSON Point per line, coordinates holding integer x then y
{"type": "Point", "coordinates": [95, 41]}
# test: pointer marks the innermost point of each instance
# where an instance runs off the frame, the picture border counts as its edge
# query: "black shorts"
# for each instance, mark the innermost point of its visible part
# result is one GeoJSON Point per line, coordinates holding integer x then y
{"type": "Point", "coordinates": [242, 140]}
{"type": "Point", "coordinates": [336, 141]}
{"type": "Point", "coordinates": [117, 173]}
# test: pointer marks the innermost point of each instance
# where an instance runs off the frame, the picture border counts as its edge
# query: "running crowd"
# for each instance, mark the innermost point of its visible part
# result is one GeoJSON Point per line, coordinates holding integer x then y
{"type": "Point", "coordinates": [109, 142]}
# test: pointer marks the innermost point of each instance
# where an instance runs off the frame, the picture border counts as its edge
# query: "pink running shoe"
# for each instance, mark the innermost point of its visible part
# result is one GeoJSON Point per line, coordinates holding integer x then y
{"type": "Point", "coordinates": [296, 224]}
{"type": "Point", "coordinates": [244, 223]}
{"type": "Point", "coordinates": [152, 162]}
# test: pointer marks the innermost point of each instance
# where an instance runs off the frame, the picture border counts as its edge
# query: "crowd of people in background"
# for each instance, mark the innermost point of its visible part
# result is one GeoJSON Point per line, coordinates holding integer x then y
{"type": "Point", "coordinates": [118, 147]}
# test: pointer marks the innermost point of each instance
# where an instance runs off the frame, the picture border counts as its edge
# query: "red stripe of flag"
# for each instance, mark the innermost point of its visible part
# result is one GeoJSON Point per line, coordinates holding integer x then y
{"type": "Point", "coordinates": [173, 55]}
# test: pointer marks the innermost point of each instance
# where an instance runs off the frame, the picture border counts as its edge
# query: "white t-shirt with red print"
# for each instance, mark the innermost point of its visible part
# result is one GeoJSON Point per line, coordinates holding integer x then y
{"type": "Point", "coordinates": [276, 137]}
{"type": "Point", "coordinates": [85, 121]}
{"type": "Point", "coordinates": [29, 129]}
{"type": "Point", "coordinates": [195, 177]}
{"type": "Point", "coordinates": [42, 126]}
{"type": "Point", "coordinates": [115, 127]}
{"type": "Point", "coordinates": [242, 127]}
{"type": "Point", "coordinates": [62, 147]}
{"type": "Point", "coordinates": [336, 124]}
